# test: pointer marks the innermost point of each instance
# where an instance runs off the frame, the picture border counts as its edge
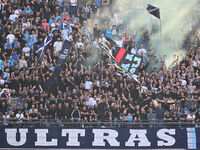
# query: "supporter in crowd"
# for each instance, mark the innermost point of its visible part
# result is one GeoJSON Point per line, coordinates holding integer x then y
{"type": "Point", "coordinates": [100, 93]}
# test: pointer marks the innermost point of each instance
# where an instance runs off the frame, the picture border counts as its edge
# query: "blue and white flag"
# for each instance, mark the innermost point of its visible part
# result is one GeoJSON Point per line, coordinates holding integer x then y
{"type": "Point", "coordinates": [43, 46]}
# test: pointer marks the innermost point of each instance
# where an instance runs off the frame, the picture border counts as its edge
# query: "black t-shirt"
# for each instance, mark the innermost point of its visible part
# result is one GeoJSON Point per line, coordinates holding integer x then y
{"type": "Point", "coordinates": [56, 34]}
{"type": "Point", "coordinates": [97, 32]}
{"type": "Point", "coordinates": [94, 8]}
{"type": "Point", "coordinates": [192, 109]}
{"type": "Point", "coordinates": [137, 116]}
{"type": "Point", "coordinates": [166, 106]}
{"type": "Point", "coordinates": [76, 113]}
{"type": "Point", "coordinates": [67, 113]}
{"type": "Point", "coordinates": [15, 84]}
{"type": "Point", "coordinates": [84, 115]}
{"type": "Point", "coordinates": [196, 95]}
{"type": "Point", "coordinates": [52, 113]}
{"type": "Point", "coordinates": [143, 116]}
{"type": "Point", "coordinates": [42, 112]}
{"type": "Point", "coordinates": [15, 5]}
{"type": "Point", "coordinates": [60, 113]}
{"type": "Point", "coordinates": [33, 115]}
{"type": "Point", "coordinates": [115, 112]}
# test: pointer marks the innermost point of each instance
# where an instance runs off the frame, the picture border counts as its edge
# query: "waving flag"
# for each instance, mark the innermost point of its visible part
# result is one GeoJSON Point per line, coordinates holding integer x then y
{"type": "Point", "coordinates": [43, 46]}
{"type": "Point", "coordinates": [124, 61]}
{"type": "Point", "coordinates": [51, 83]}
{"type": "Point", "coordinates": [154, 11]}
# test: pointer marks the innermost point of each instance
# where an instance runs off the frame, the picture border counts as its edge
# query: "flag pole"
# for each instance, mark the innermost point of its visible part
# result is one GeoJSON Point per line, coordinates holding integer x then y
{"type": "Point", "coordinates": [36, 65]}
{"type": "Point", "coordinates": [160, 24]}
{"type": "Point", "coordinates": [160, 27]}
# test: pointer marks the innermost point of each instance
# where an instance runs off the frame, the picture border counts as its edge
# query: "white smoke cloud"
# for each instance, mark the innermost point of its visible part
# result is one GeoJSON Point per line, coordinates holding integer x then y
{"type": "Point", "coordinates": [176, 22]}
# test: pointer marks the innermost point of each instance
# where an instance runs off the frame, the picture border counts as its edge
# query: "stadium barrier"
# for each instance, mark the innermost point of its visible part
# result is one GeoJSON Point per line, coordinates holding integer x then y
{"type": "Point", "coordinates": [98, 124]}
{"type": "Point", "coordinates": [100, 138]}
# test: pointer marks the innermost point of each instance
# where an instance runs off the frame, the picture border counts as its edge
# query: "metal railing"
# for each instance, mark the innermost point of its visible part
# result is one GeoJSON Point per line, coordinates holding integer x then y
{"type": "Point", "coordinates": [98, 124]}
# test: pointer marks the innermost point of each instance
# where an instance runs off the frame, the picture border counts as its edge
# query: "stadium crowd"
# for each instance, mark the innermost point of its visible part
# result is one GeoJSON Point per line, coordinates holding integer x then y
{"type": "Point", "coordinates": [91, 89]}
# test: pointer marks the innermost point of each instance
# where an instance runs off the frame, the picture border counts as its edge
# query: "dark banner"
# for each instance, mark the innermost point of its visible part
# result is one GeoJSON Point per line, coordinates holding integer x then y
{"type": "Point", "coordinates": [50, 84]}
{"type": "Point", "coordinates": [117, 138]}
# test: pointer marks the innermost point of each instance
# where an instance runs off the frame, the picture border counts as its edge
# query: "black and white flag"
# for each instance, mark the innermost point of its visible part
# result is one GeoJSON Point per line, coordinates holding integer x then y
{"type": "Point", "coordinates": [154, 11]}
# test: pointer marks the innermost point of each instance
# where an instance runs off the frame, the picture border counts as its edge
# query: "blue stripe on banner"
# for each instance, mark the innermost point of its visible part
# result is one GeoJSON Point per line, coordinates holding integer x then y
{"type": "Point", "coordinates": [191, 135]}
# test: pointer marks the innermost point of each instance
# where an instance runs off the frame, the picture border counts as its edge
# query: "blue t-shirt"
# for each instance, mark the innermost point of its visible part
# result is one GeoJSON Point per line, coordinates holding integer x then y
{"type": "Point", "coordinates": [60, 3]}
{"type": "Point", "coordinates": [98, 3]}
{"type": "Point", "coordinates": [58, 17]}
{"type": "Point", "coordinates": [33, 38]}
{"type": "Point", "coordinates": [26, 37]}
{"type": "Point", "coordinates": [6, 44]}
{"type": "Point", "coordinates": [59, 26]}
{"type": "Point", "coordinates": [1, 64]}
{"type": "Point", "coordinates": [50, 21]}
{"type": "Point", "coordinates": [30, 44]}
{"type": "Point", "coordinates": [11, 62]}
{"type": "Point", "coordinates": [15, 57]}
{"type": "Point", "coordinates": [26, 11]}
{"type": "Point", "coordinates": [76, 20]}
{"type": "Point", "coordinates": [109, 33]}
{"type": "Point", "coordinates": [186, 111]}
{"type": "Point", "coordinates": [15, 43]}
{"type": "Point", "coordinates": [86, 32]}
{"type": "Point", "coordinates": [129, 118]}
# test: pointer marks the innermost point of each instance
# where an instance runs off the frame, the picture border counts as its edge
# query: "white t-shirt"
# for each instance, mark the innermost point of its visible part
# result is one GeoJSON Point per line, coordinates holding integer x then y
{"type": "Point", "coordinates": [53, 25]}
{"type": "Point", "coordinates": [58, 46]}
{"type": "Point", "coordinates": [65, 34]}
{"type": "Point", "coordinates": [140, 51]}
{"type": "Point", "coordinates": [6, 116]}
{"type": "Point", "coordinates": [69, 38]}
{"type": "Point", "coordinates": [7, 91]}
{"type": "Point", "coordinates": [195, 63]}
{"type": "Point", "coordinates": [22, 63]}
{"type": "Point", "coordinates": [2, 81]}
{"type": "Point", "coordinates": [12, 17]}
{"type": "Point", "coordinates": [28, 24]}
{"type": "Point", "coordinates": [11, 37]}
{"type": "Point", "coordinates": [183, 82]}
{"type": "Point", "coordinates": [143, 88]}
{"type": "Point", "coordinates": [88, 85]}
{"type": "Point", "coordinates": [17, 12]}
{"type": "Point", "coordinates": [68, 29]}
{"type": "Point", "coordinates": [95, 43]}
{"type": "Point", "coordinates": [26, 50]}
{"type": "Point", "coordinates": [97, 82]}
{"type": "Point", "coordinates": [92, 101]}
{"type": "Point", "coordinates": [134, 50]}
{"type": "Point", "coordinates": [73, 2]}
{"type": "Point", "coordinates": [79, 44]}
{"type": "Point", "coordinates": [116, 18]}
{"type": "Point", "coordinates": [19, 116]}
{"type": "Point", "coordinates": [6, 76]}
{"type": "Point", "coordinates": [189, 116]}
